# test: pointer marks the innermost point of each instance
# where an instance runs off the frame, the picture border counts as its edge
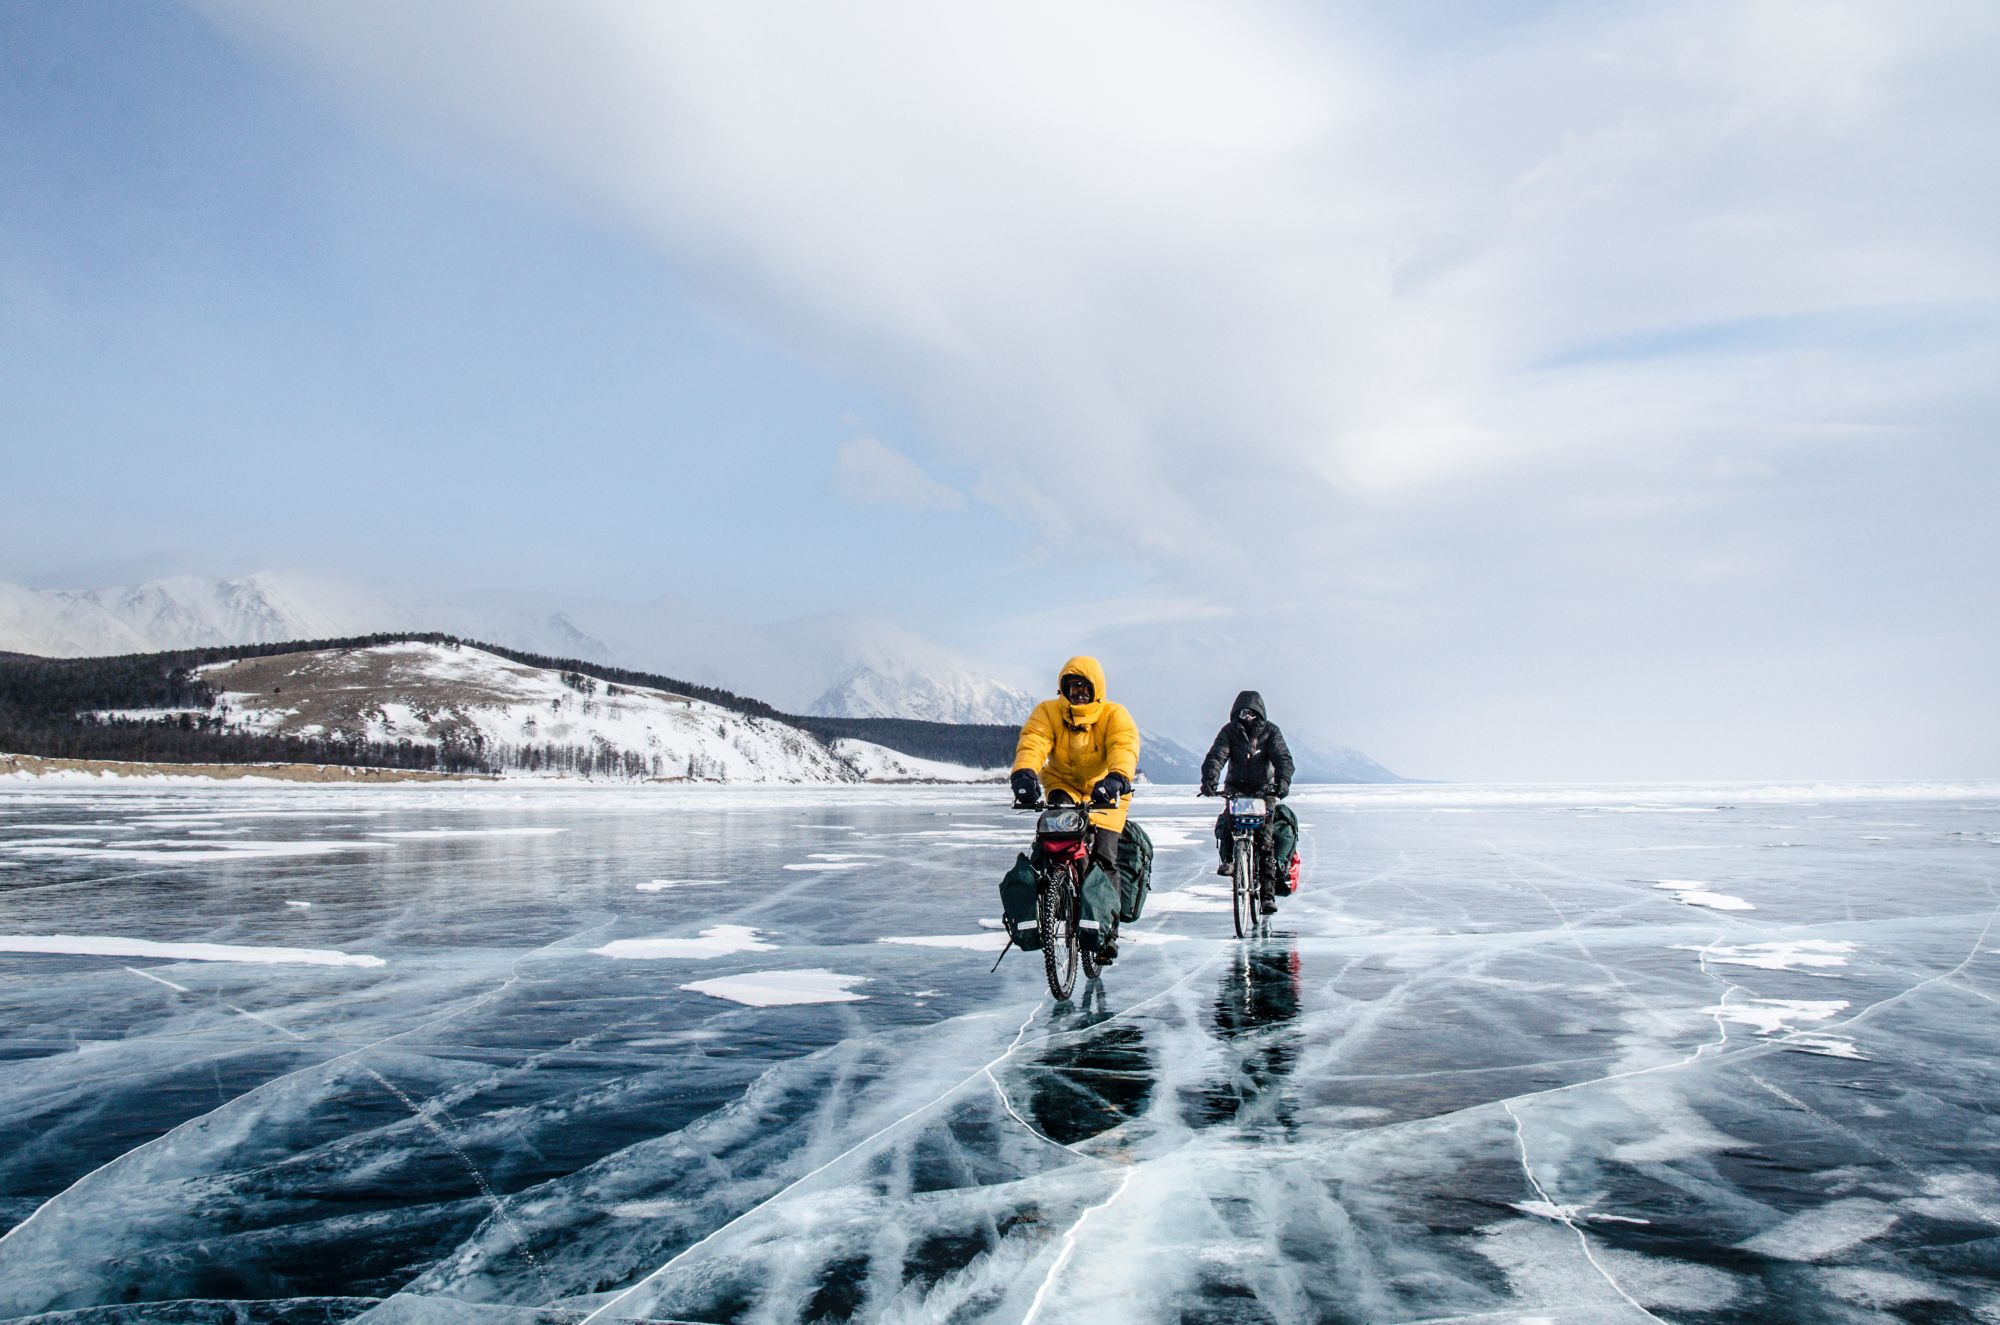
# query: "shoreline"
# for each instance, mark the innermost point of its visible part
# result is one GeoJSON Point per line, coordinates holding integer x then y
{"type": "Point", "coordinates": [34, 766]}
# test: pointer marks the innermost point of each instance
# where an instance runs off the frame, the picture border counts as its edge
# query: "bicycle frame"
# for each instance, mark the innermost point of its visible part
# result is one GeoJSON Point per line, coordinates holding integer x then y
{"type": "Point", "coordinates": [1061, 858]}
{"type": "Point", "coordinates": [1247, 815]}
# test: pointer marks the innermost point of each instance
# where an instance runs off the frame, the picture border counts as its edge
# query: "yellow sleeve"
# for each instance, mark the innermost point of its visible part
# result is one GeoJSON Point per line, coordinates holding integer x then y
{"type": "Point", "coordinates": [1121, 742]}
{"type": "Point", "coordinates": [1038, 737]}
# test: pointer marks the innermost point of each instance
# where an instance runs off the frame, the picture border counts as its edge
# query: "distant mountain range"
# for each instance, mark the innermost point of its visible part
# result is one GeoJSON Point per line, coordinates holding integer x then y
{"type": "Point", "coordinates": [829, 666]}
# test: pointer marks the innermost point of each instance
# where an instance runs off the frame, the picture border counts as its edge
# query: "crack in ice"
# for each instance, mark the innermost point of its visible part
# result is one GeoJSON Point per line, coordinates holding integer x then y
{"type": "Point", "coordinates": [1562, 1214]}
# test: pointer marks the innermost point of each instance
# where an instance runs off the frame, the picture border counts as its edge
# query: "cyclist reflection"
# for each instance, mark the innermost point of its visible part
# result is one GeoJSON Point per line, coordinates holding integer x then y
{"type": "Point", "coordinates": [1255, 1014]}
{"type": "Point", "coordinates": [1096, 1075]}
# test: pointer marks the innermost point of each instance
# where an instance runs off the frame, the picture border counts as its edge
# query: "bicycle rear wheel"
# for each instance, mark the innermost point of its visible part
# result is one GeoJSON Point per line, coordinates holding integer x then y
{"type": "Point", "coordinates": [1056, 903]}
{"type": "Point", "coordinates": [1244, 889]}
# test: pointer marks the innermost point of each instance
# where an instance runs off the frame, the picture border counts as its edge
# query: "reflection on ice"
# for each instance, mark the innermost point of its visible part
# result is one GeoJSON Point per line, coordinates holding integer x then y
{"type": "Point", "coordinates": [1478, 1071]}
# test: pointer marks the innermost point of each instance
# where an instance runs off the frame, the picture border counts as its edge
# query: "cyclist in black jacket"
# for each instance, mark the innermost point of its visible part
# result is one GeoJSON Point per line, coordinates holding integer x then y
{"type": "Point", "coordinates": [1259, 765]}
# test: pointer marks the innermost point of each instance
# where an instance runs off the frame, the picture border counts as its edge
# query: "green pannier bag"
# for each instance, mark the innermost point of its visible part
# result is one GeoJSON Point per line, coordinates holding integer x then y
{"type": "Point", "coordinates": [1101, 903]}
{"type": "Point", "coordinates": [1135, 870]}
{"type": "Point", "coordinates": [1017, 905]}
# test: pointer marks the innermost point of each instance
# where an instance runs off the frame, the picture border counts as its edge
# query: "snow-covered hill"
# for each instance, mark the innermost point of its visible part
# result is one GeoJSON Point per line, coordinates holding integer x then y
{"type": "Point", "coordinates": [877, 763]}
{"type": "Point", "coordinates": [832, 665]}
{"type": "Point", "coordinates": [524, 719]}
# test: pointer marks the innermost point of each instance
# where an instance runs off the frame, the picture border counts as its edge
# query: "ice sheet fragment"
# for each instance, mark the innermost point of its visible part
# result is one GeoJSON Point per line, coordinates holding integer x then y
{"type": "Point", "coordinates": [767, 989]}
{"type": "Point", "coordinates": [101, 945]}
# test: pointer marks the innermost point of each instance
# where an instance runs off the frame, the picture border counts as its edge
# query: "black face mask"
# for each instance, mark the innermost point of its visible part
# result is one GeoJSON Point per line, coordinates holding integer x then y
{"type": "Point", "coordinates": [1249, 720]}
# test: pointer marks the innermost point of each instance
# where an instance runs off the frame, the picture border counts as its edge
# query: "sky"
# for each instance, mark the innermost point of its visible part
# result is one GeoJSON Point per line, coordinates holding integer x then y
{"type": "Point", "coordinates": [1529, 392]}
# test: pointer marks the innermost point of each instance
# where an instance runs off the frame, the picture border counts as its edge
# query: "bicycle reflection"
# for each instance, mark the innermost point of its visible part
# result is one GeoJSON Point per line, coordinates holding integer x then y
{"type": "Point", "coordinates": [1097, 1074]}
{"type": "Point", "coordinates": [1255, 1016]}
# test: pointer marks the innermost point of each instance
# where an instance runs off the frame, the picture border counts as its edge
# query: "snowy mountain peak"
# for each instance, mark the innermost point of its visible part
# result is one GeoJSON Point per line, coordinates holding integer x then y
{"type": "Point", "coordinates": [934, 696]}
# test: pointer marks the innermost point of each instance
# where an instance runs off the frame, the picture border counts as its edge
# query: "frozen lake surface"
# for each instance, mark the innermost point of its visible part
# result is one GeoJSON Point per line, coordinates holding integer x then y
{"type": "Point", "coordinates": [520, 1054]}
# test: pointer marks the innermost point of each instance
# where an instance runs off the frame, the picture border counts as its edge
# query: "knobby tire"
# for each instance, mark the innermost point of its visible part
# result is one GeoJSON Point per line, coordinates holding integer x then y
{"type": "Point", "coordinates": [1244, 892]}
{"type": "Point", "coordinates": [1057, 906]}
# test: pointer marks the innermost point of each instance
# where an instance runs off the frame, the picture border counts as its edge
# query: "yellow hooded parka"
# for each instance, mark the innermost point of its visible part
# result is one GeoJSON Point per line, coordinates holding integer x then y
{"type": "Point", "coordinates": [1070, 746]}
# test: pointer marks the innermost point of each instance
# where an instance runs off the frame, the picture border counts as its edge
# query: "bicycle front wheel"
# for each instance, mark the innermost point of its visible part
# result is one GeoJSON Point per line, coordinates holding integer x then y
{"type": "Point", "coordinates": [1057, 903]}
{"type": "Point", "coordinates": [1244, 889]}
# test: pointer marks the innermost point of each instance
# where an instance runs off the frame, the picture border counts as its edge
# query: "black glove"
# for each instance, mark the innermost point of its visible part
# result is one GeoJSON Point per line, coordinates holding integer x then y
{"type": "Point", "coordinates": [1207, 789]}
{"type": "Point", "coordinates": [1281, 791]}
{"type": "Point", "coordinates": [1027, 789]}
{"type": "Point", "coordinates": [1108, 789]}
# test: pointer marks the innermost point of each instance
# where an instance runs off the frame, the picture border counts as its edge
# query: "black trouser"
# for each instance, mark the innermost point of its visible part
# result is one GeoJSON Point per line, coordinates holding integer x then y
{"type": "Point", "coordinates": [1104, 849]}
{"type": "Point", "coordinates": [1267, 852]}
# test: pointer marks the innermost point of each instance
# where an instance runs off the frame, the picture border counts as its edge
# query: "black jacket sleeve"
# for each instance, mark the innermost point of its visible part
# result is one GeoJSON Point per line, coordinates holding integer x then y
{"type": "Point", "coordinates": [1218, 755]}
{"type": "Point", "coordinates": [1281, 760]}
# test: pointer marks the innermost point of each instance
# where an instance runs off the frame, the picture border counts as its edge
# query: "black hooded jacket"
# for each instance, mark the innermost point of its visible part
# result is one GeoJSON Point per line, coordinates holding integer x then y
{"type": "Point", "coordinates": [1259, 763]}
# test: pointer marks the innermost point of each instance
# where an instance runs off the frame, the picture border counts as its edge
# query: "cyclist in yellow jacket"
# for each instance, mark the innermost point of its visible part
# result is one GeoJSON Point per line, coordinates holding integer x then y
{"type": "Point", "coordinates": [1081, 747]}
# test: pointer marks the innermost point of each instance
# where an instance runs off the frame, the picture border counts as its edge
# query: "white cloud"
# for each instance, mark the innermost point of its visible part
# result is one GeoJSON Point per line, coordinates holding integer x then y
{"type": "Point", "coordinates": [869, 472]}
{"type": "Point", "coordinates": [1355, 305]}
{"type": "Point", "coordinates": [1160, 233]}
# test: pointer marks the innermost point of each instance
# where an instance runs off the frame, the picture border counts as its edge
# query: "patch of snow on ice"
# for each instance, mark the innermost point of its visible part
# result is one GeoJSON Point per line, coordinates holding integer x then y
{"type": "Point", "coordinates": [1826, 1046]}
{"type": "Point", "coordinates": [1785, 956]}
{"type": "Point", "coordinates": [976, 942]}
{"type": "Point", "coordinates": [717, 942]}
{"type": "Point", "coordinates": [418, 833]}
{"type": "Point", "coordinates": [100, 945]}
{"type": "Point", "coordinates": [661, 885]}
{"type": "Point", "coordinates": [1690, 892]}
{"type": "Point", "coordinates": [827, 865]}
{"type": "Point", "coordinates": [1170, 834]}
{"type": "Point", "coordinates": [1184, 900]}
{"type": "Point", "coordinates": [206, 850]}
{"type": "Point", "coordinates": [1771, 1015]}
{"type": "Point", "coordinates": [768, 989]}
{"type": "Point", "coordinates": [300, 906]}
